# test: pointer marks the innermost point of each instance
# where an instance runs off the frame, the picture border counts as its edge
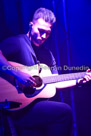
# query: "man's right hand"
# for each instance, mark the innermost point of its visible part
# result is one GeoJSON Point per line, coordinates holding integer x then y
{"type": "Point", "coordinates": [25, 79]}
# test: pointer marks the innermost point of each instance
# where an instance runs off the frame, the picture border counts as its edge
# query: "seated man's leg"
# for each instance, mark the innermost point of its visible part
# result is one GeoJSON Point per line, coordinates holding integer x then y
{"type": "Point", "coordinates": [47, 118]}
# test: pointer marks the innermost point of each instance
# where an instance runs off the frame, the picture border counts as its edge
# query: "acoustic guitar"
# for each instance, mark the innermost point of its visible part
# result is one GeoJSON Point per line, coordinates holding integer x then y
{"type": "Point", "coordinates": [21, 96]}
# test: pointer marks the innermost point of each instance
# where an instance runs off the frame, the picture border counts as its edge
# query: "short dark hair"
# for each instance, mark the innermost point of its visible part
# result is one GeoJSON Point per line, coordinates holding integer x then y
{"type": "Point", "coordinates": [45, 14]}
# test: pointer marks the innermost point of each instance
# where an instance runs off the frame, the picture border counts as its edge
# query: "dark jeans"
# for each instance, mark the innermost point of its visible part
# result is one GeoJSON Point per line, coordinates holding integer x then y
{"type": "Point", "coordinates": [44, 118]}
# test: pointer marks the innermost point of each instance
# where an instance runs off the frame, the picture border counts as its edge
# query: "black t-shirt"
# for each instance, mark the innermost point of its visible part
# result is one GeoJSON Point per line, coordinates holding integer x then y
{"type": "Point", "coordinates": [19, 49]}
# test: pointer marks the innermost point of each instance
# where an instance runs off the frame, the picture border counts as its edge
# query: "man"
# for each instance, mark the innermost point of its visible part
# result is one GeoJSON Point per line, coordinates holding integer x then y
{"type": "Point", "coordinates": [42, 117]}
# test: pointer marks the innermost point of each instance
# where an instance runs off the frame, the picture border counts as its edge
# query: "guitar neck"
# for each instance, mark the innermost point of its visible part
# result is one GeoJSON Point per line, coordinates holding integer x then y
{"type": "Point", "coordinates": [63, 77]}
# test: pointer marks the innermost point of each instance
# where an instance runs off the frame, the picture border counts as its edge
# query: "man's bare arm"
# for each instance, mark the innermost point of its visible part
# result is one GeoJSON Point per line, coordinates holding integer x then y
{"type": "Point", "coordinates": [20, 76]}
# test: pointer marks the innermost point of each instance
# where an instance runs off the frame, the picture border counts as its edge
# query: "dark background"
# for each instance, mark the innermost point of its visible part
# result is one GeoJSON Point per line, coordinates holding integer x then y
{"type": "Point", "coordinates": [70, 43]}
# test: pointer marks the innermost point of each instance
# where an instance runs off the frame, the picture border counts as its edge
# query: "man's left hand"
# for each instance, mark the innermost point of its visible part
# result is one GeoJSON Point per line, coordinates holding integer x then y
{"type": "Point", "coordinates": [86, 78]}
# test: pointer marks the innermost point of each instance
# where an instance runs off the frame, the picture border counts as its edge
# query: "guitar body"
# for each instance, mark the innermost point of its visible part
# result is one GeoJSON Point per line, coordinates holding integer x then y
{"type": "Point", "coordinates": [9, 93]}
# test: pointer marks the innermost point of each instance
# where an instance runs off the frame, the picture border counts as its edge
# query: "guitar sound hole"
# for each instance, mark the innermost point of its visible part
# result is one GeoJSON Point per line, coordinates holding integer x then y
{"type": "Point", "coordinates": [29, 91]}
{"type": "Point", "coordinates": [38, 81]}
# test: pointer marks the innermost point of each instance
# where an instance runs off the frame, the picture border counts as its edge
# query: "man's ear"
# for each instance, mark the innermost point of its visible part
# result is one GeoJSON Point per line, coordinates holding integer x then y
{"type": "Point", "coordinates": [30, 28]}
{"type": "Point", "coordinates": [30, 24]}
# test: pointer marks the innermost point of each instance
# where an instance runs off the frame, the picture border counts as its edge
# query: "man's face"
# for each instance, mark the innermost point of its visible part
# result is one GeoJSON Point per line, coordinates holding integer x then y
{"type": "Point", "coordinates": [40, 32]}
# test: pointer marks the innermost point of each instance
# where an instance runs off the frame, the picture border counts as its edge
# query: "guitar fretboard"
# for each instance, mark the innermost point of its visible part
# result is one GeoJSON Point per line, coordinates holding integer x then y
{"type": "Point", "coordinates": [63, 77]}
